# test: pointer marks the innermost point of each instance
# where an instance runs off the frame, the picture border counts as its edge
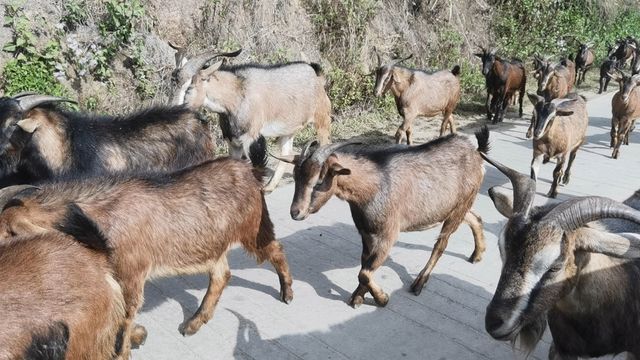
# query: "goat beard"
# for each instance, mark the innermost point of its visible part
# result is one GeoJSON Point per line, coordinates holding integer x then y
{"type": "Point", "coordinates": [528, 337]}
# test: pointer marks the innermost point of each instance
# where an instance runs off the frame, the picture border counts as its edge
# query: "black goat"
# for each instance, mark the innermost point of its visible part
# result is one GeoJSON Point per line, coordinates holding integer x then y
{"type": "Point", "coordinates": [43, 142]}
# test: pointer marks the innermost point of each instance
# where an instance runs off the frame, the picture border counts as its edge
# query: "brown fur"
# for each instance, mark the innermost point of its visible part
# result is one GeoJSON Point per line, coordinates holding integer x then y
{"type": "Point", "coordinates": [561, 140]}
{"type": "Point", "coordinates": [52, 278]}
{"type": "Point", "coordinates": [182, 223]}
{"type": "Point", "coordinates": [503, 79]}
{"type": "Point", "coordinates": [624, 113]}
{"type": "Point", "coordinates": [419, 94]}
{"type": "Point", "coordinates": [396, 189]}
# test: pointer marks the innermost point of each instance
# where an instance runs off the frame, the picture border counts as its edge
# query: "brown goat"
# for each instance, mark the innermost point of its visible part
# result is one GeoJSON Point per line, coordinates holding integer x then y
{"type": "Point", "coordinates": [391, 189]}
{"type": "Point", "coordinates": [625, 107]}
{"type": "Point", "coordinates": [58, 300]}
{"type": "Point", "coordinates": [418, 93]}
{"type": "Point", "coordinates": [584, 61]}
{"type": "Point", "coordinates": [503, 79]}
{"type": "Point", "coordinates": [560, 128]}
{"type": "Point", "coordinates": [555, 81]}
{"type": "Point", "coordinates": [161, 225]}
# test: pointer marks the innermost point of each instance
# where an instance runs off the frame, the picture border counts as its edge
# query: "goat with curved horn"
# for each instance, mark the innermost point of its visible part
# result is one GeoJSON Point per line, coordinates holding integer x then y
{"type": "Point", "coordinates": [524, 188]}
{"type": "Point", "coordinates": [575, 213]}
{"type": "Point", "coordinates": [30, 101]}
{"type": "Point", "coordinates": [25, 93]}
{"type": "Point", "coordinates": [396, 62]}
{"type": "Point", "coordinates": [321, 154]}
{"type": "Point", "coordinates": [193, 65]}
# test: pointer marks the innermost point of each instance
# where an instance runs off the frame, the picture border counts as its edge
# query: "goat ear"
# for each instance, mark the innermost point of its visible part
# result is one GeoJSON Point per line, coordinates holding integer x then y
{"type": "Point", "coordinates": [27, 226]}
{"type": "Point", "coordinates": [565, 107]}
{"type": "Point", "coordinates": [212, 68]}
{"type": "Point", "coordinates": [29, 125]}
{"type": "Point", "coordinates": [502, 201]}
{"type": "Point", "coordinates": [535, 98]}
{"type": "Point", "coordinates": [335, 168]}
{"type": "Point", "coordinates": [622, 245]}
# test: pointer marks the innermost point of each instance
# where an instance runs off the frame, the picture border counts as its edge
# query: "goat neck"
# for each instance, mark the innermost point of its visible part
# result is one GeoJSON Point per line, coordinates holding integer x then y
{"type": "Point", "coordinates": [362, 184]}
{"type": "Point", "coordinates": [401, 80]}
{"type": "Point", "coordinates": [223, 91]}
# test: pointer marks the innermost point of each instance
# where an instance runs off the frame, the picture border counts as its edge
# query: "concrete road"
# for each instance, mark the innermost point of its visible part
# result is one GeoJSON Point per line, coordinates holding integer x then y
{"type": "Point", "coordinates": [445, 322]}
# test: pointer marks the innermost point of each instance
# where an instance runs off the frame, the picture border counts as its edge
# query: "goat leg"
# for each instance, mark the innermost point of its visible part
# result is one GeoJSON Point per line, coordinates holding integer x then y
{"type": "Point", "coordinates": [567, 172]}
{"type": "Point", "coordinates": [375, 250]}
{"type": "Point", "coordinates": [629, 131]}
{"type": "Point", "coordinates": [475, 223]}
{"type": "Point", "coordinates": [286, 147]}
{"type": "Point", "coordinates": [405, 128]}
{"type": "Point", "coordinates": [489, 105]}
{"type": "Point", "coordinates": [614, 132]}
{"type": "Point", "coordinates": [535, 165]}
{"type": "Point", "coordinates": [133, 293]}
{"type": "Point", "coordinates": [275, 255]}
{"type": "Point", "coordinates": [557, 175]}
{"type": "Point", "coordinates": [448, 227]}
{"type": "Point", "coordinates": [219, 276]}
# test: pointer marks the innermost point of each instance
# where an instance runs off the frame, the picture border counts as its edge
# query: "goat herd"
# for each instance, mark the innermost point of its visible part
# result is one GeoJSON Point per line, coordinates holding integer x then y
{"type": "Point", "coordinates": [93, 206]}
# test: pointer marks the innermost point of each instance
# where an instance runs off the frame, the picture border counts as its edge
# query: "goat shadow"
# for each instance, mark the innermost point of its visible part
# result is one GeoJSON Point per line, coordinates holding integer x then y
{"type": "Point", "coordinates": [334, 247]}
{"type": "Point", "coordinates": [402, 330]}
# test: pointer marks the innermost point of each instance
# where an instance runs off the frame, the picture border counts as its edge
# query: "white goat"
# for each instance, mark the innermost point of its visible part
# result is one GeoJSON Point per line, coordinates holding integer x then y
{"type": "Point", "coordinates": [254, 100]}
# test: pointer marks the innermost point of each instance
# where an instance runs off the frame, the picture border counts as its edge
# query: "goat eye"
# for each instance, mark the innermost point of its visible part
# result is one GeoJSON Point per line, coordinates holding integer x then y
{"type": "Point", "coordinates": [556, 267]}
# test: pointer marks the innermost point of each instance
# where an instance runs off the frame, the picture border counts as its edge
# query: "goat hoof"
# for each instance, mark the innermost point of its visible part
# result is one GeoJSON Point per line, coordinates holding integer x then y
{"type": "Point", "coordinates": [286, 295]}
{"type": "Point", "coordinates": [418, 285]}
{"type": "Point", "coordinates": [475, 258]}
{"type": "Point", "coordinates": [552, 194]}
{"type": "Point", "coordinates": [138, 336]}
{"type": "Point", "coordinates": [190, 327]}
{"type": "Point", "coordinates": [382, 300]}
{"type": "Point", "coordinates": [356, 301]}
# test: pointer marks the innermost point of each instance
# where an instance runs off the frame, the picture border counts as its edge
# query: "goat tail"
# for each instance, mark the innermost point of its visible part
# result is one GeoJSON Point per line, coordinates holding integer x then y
{"type": "Point", "coordinates": [258, 152]}
{"type": "Point", "coordinates": [456, 70]}
{"type": "Point", "coordinates": [317, 68]}
{"type": "Point", "coordinates": [482, 136]}
{"type": "Point", "coordinates": [84, 229]}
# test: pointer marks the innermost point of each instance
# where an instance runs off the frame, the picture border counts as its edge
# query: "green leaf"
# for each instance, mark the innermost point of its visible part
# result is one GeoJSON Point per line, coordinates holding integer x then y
{"type": "Point", "coordinates": [9, 47]}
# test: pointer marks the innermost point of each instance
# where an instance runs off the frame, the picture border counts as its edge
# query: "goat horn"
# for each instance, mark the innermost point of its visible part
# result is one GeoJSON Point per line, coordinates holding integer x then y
{"type": "Point", "coordinates": [377, 56]}
{"type": "Point", "coordinates": [291, 159]}
{"type": "Point", "coordinates": [175, 47]}
{"type": "Point", "coordinates": [10, 192]}
{"type": "Point", "coordinates": [16, 96]}
{"type": "Point", "coordinates": [575, 213]}
{"type": "Point", "coordinates": [308, 145]}
{"type": "Point", "coordinates": [524, 188]}
{"type": "Point", "coordinates": [321, 154]}
{"type": "Point", "coordinates": [28, 102]}
{"type": "Point", "coordinates": [197, 63]}
{"type": "Point", "coordinates": [396, 62]}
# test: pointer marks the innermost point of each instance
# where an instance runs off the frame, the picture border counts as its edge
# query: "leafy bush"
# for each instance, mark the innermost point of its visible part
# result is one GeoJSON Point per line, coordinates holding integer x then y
{"type": "Point", "coordinates": [32, 69]}
{"type": "Point", "coordinates": [527, 27]}
{"type": "Point", "coordinates": [30, 75]}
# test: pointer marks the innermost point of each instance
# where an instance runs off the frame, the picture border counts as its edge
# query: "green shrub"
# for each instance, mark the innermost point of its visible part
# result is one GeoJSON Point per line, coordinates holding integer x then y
{"type": "Point", "coordinates": [30, 75]}
{"type": "Point", "coordinates": [551, 27]}
{"type": "Point", "coordinates": [32, 69]}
